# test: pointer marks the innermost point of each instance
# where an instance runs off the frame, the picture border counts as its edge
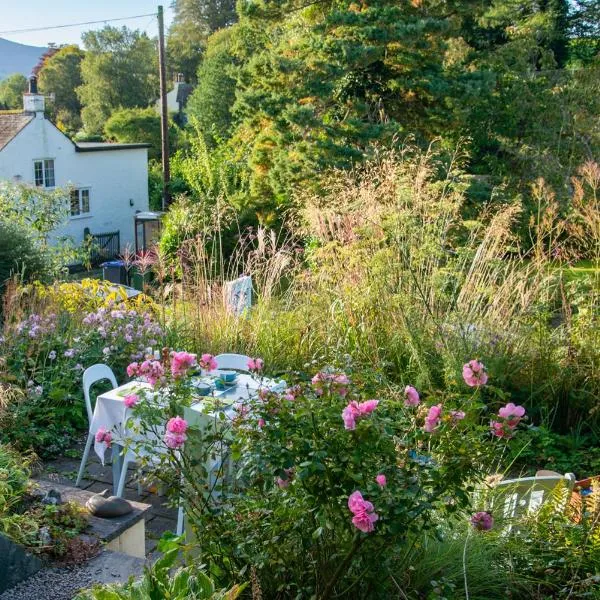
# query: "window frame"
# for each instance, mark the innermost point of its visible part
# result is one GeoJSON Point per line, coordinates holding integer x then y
{"type": "Point", "coordinates": [81, 214]}
{"type": "Point", "coordinates": [44, 172]}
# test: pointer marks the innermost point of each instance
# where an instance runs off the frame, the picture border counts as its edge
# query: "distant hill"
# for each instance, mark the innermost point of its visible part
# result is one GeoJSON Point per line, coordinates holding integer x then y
{"type": "Point", "coordinates": [18, 58]}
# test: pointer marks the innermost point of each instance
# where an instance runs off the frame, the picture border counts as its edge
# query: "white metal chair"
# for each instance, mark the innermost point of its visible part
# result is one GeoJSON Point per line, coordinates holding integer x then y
{"type": "Point", "coordinates": [235, 362]}
{"type": "Point", "coordinates": [92, 375]}
{"type": "Point", "coordinates": [514, 498]}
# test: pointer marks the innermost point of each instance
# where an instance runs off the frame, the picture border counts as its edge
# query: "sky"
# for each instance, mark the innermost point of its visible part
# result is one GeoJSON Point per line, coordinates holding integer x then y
{"type": "Point", "coordinates": [27, 14]}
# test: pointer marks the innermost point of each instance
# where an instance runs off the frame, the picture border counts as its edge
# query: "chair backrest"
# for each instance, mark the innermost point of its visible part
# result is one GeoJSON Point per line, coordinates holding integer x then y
{"type": "Point", "coordinates": [91, 375]}
{"type": "Point", "coordinates": [517, 497]}
{"type": "Point", "coordinates": [235, 362]}
{"type": "Point", "coordinates": [237, 294]}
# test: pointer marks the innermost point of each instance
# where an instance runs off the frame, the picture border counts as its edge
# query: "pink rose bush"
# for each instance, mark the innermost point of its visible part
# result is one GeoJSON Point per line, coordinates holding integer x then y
{"type": "Point", "coordinates": [381, 480]}
{"type": "Point", "coordinates": [363, 511]}
{"type": "Point", "coordinates": [474, 373]}
{"type": "Point", "coordinates": [357, 410]}
{"type": "Point", "coordinates": [509, 417]}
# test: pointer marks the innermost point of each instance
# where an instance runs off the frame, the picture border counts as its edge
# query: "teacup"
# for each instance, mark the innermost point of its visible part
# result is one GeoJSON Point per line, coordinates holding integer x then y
{"type": "Point", "coordinates": [228, 376]}
{"type": "Point", "coordinates": [203, 389]}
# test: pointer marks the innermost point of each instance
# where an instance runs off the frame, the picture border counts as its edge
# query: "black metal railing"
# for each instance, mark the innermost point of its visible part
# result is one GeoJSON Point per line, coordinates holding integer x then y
{"type": "Point", "coordinates": [104, 246]}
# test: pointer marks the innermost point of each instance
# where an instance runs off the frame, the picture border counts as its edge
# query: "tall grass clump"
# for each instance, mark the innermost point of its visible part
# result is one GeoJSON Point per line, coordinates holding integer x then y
{"type": "Point", "coordinates": [385, 274]}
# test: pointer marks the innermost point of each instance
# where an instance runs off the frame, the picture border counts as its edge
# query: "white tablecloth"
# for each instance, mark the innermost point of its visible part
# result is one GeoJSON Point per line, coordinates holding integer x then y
{"type": "Point", "coordinates": [111, 413]}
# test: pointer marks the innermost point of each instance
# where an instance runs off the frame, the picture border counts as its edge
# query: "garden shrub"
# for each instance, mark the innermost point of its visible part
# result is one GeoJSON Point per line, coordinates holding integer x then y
{"type": "Point", "coordinates": [329, 484]}
{"type": "Point", "coordinates": [51, 335]}
{"type": "Point", "coordinates": [20, 256]}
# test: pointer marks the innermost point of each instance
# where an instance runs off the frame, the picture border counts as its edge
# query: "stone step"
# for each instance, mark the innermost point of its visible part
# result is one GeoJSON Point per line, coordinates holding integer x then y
{"type": "Point", "coordinates": [113, 567]}
{"type": "Point", "coordinates": [125, 534]}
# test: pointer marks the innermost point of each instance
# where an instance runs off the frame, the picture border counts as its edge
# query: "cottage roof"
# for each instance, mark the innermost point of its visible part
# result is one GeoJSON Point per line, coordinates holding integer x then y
{"type": "Point", "coordinates": [184, 91]}
{"type": "Point", "coordinates": [100, 146]}
{"type": "Point", "coordinates": [11, 124]}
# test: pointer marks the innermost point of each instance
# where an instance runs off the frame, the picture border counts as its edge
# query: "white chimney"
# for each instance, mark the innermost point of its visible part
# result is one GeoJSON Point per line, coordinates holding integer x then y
{"type": "Point", "coordinates": [32, 101]}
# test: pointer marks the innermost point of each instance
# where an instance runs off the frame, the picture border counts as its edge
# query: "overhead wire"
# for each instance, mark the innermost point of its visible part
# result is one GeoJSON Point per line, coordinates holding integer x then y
{"type": "Point", "coordinates": [31, 29]}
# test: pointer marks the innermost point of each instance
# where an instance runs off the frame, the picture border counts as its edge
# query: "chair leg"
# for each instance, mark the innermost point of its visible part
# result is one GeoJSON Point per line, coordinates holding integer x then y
{"type": "Point", "coordinates": [180, 517]}
{"type": "Point", "coordinates": [86, 453]}
{"type": "Point", "coordinates": [123, 478]}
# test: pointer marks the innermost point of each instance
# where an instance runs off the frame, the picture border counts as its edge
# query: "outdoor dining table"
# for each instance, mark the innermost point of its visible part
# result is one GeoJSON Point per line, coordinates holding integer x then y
{"type": "Point", "coordinates": [111, 413]}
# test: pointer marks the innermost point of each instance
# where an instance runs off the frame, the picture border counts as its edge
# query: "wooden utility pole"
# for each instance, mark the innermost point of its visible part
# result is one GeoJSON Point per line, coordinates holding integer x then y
{"type": "Point", "coordinates": [164, 115]}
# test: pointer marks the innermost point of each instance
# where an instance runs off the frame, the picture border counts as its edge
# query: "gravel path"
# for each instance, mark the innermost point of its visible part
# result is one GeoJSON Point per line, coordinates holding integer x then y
{"type": "Point", "coordinates": [51, 584]}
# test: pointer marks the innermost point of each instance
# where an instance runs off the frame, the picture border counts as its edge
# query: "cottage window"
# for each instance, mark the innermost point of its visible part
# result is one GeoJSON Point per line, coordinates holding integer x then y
{"type": "Point", "coordinates": [80, 202]}
{"type": "Point", "coordinates": [44, 172]}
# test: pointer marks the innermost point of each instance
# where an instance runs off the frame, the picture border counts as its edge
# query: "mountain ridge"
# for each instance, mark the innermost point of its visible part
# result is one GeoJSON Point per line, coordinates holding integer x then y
{"type": "Point", "coordinates": [18, 58]}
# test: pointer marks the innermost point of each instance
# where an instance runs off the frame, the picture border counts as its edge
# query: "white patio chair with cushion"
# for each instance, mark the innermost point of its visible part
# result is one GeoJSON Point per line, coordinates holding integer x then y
{"type": "Point", "coordinates": [233, 362]}
{"type": "Point", "coordinates": [92, 375]}
{"type": "Point", "coordinates": [514, 498]}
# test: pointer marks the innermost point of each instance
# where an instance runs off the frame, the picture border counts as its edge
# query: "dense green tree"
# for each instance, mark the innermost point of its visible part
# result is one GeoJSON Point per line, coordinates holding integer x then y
{"type": "Point", "coordinates": [120, 69]}
{"type": "Point", "coordinates": [138, 125]}
{"type": "Point", "coordinates": [61, 75]}
{"type": "Point", "coordinates": [193, 22]}
{"type": "Point", "coordinates": [211, 102]}
{"type": "Point", "coordinates": [330, 81]}
{"type": "Point", "coordinates": [11, 91]}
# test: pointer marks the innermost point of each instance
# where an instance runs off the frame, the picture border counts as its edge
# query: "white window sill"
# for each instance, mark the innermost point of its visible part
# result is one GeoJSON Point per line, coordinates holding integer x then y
{"type": "Point", "coordinates": [80, 217]}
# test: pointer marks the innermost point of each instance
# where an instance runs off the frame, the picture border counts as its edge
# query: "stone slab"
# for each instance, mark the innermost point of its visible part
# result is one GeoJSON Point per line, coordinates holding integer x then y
{"type": "Point", "coordinates": [103, 529]}
{"type": "Point", "coordinates": [114, 567]}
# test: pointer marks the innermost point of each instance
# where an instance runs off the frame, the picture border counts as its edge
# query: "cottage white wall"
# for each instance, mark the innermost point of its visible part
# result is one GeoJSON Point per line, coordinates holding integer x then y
{"type": "Point", "coordinates": [114, 177]}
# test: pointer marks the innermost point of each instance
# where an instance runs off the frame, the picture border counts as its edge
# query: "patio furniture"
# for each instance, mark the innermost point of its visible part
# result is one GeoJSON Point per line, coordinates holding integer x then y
{"type": "Point", "coordinates": [92, 375]}
{"type": "Point", "coordinates": [234, 362]}
{"type": "Point", "coordinates": [237, 295]}
{"type": "Point", "coordinates": [514, 498]}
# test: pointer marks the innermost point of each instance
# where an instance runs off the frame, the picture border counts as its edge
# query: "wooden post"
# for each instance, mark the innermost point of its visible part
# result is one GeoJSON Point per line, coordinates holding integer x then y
{"type": "Point", "coordinates": [164, 115]}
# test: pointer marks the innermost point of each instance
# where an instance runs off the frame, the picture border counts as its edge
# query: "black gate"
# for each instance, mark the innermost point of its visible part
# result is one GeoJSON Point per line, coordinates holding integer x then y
{"type": "Point", "coordinates": [104, 246]}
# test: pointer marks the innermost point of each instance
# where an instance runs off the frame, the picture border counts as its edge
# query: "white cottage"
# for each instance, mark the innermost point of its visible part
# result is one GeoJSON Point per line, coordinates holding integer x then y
{"type": "Point", "coordinates": [109, 181]}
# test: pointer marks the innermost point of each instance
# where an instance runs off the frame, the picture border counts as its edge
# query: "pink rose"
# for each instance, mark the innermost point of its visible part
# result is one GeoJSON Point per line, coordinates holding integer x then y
{"type": "Point", "coordinates": [174, 440]}
{"type": "Point", "coordinates": [457, 415]}
{"type": "Point", "coordinates": [474, 373]}
{"type": "Point", "coordinates": [255, 364]}
{"type": "Point", "coordinates": [177, 425]}
{"type": "Point", "coordinates": [181, 362]}
{"type": "Point", "coordinates": [432, 420]}
{"type": "Point", "coordinates": [381, 480]}
{"type": "Point", "coordinates": [261, 423]}
{"type": "Point", "coordinates": [132, 369]}
{"type": "Point", "coordinates": [350, 414]}
{"type": "Point", "coordinates": [363, 511]}
{"type": "Point", "coordinates": [368, 406]}
{"type": "Point", "coordinates": [411, 396]}
{"type": "Point", "coordinates": [482, 521]}
{"type": "Point", "coordinates": [285, 481]}
{"type": "Point", "coordinates": [131, 400]}
{"type": "Point", "coordinates": [102, 435]}
{"type": "Point", "coordinates": [207, 362]}
{"type": "Point", "coordinates": [511, 412]}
